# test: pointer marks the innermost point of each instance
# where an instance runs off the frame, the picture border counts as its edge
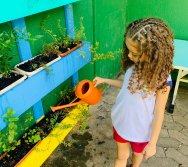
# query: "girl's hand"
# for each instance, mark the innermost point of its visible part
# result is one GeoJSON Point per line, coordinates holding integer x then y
{"type": "Point", "coordinates": [149, 151]}
{"type": "Point", "coordinates": [98, 80]}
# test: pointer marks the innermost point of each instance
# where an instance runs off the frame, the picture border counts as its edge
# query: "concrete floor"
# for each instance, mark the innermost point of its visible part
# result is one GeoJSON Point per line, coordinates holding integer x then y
{"type": "Point", "coordinates": [94, 147]}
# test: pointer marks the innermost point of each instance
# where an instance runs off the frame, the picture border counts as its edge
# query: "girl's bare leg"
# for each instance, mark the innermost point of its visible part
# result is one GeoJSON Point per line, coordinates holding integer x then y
{"type": "Point", "coordinates": [123, 153]}
{"type": "Point", "coordinates": [137, 159]}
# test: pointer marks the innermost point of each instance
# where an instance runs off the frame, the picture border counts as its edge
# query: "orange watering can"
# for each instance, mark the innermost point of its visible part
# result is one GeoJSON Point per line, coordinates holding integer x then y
{"type": "Point", "coordinates": [87, 92]}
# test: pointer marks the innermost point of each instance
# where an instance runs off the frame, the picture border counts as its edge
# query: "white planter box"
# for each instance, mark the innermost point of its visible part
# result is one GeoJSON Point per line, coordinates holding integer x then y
{"type": "Point", "coordinates": [29, 74]}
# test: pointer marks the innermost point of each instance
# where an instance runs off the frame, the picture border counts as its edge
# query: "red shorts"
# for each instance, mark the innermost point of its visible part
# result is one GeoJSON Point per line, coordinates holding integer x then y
{"type": "Point", "coordinates": [136, 146]}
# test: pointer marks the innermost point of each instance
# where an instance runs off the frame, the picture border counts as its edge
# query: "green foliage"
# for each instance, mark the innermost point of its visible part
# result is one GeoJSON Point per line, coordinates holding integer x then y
{"type": "Point", "coordinates": [80, 33]}
{"type": "Point", "coordinates": [67, 144]}
{"type": "Point", "coordinates": [63, 39]}
{"type": "Point", "coordinates": [24, 35]}
{"type": "Point", "coordinates": [52, 121]}
{"type": "Point", "coordinates": [50, 48]}
{"type": "Point", "coordinates": [7, 41]}
{"type": "Point", "coordinates": [66, 94]}
{"type": "Point", "coordinates": [61, 30]}
{"type": "Point", "coordinates": [103, 56]}
{"type": "Point", "coordinates": [55, 38]}
{"type": "Point", "coordinates": [83, 116]}
{"type": "Point", "coordinates": [8, 142]}
{"type": "Point", "coordinates": [66, 41]}
{"type": "Point", "coordinates": [33, 135]}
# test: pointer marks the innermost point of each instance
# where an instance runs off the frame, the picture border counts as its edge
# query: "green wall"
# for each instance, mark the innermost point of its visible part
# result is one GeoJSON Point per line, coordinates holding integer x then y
{"type": "Point", "coordinates": [109, 26]}
{"type": "Point", "coordinates": [174, 12]}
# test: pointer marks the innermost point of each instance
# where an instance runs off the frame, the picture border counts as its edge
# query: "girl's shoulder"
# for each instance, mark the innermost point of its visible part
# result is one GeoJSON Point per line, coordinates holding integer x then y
{"type": "Point", "coordinates": [128, 72]}
{"type": "Point", "coordinates": [130, 69]}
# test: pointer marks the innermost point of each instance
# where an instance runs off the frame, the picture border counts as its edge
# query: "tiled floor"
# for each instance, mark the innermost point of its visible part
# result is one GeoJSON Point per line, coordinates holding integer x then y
{"type": "Point", "coordinates": [100, 151]}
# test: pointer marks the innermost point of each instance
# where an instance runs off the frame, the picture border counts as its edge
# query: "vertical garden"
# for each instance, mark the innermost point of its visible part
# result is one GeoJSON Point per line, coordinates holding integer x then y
{"type": "Point", "coordinates": [46, 48]}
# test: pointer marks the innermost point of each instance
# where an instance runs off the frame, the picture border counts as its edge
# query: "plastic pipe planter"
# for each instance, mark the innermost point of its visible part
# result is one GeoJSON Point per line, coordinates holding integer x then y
{"type": "Point", "coordinates": [22, 78]}
{"type": "Point", "coordinates": [41, 66]}
{"type": "Point", "coordinates": [44, 148]}
{"type": "Point", "coordinates": [34, 88]}
{"type": "Point", "coordinates": [79, 44]}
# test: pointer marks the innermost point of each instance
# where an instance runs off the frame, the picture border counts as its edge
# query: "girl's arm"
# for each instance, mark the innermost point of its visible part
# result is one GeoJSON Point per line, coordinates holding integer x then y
{"type": "Point", "coordinates": [161, 100]}
{"type": "Point", "coordinates": [111, 82]}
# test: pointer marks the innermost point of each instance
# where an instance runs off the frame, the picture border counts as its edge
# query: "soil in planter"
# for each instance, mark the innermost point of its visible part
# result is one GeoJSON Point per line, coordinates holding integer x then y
{"type": "Point", "coordinates": [45, 126]}
{"type": "Point", "coordinates": [64, 49]}
{"type": "Point", "coordinates": [6, 81]}
{"type": "Point", "coordinates": [37, 62]}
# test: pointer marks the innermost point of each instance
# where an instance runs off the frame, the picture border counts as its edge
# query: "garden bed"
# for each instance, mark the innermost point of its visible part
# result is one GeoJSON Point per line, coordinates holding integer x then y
{"type": "Point", "coordinates": [35, 134]}
{"type": "Point", "coordinates": [38, 132]}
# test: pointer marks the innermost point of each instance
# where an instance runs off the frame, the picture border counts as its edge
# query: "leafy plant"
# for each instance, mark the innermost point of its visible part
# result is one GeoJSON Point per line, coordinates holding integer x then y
{"type": "Point", "coordinates": [62, 40]}
{"type": "Point", "coordinates": [80, 33]}
{"type": "Point", "coordinates": [24, 35]}
{"type": "Point", "coordinates": [7, 41]}
{"type": "Point", "coordinates": [66, 42]}
{"type": "Point", "coordinates": [8, 141]}
{"type": "Point", "coordinates": [55, 38]}
{"type": "Point", "coordinates": [61, 30]}
{"type": "Point", "coordinates": [31, 136]}
{"type": "Point", "coordinates": [52, 121]}
{"type": "Point", "coordinates": [50, 49]}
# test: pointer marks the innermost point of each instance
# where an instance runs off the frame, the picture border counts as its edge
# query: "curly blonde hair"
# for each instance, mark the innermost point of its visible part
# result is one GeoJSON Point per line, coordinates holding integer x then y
{"type": "Point", "coordinates": [155, 40]}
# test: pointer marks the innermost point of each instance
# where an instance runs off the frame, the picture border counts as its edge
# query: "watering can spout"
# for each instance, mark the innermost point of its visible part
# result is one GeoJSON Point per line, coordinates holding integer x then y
{"type": "Point", "coordinates": [87, 92]}
{"type": "Point", "coordinates": [55, 108]}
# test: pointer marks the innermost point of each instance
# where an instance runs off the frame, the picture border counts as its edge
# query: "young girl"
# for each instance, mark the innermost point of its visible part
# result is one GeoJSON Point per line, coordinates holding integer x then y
{"type": "Point", "coordinates": [138, 112]}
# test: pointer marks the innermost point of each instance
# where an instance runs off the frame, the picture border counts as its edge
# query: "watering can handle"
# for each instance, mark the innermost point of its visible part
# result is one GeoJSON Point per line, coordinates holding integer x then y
{"type": "Point", "coordinates": [101, 85]}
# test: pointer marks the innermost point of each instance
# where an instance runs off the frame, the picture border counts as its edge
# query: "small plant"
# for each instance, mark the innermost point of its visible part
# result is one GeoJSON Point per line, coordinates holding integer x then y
{"type": "Point", "coordinates": [66, 42]}
{"type": "Point", "coordinates": [53, 121]}
{"type": "Point", "coordinates": [34, 66]}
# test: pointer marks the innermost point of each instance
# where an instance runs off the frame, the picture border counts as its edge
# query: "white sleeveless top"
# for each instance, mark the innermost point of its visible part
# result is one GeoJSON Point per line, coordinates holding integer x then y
{"type": "Point", "coordinates": [132, 114]}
